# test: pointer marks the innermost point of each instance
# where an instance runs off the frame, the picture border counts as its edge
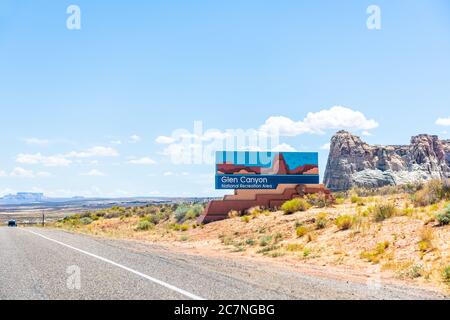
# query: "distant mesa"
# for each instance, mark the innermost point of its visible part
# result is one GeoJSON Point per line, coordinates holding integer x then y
{"type": "Point", "coordinates": [23, 197]}
{"type": "Point", "coordinates": [354, 163]}
{"type": "Point", "coordinates": [279, 167]}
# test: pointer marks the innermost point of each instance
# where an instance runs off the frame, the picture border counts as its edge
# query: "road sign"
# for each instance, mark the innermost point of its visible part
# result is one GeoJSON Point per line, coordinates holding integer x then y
{"type": "Point", "coordinates": [265, 170]}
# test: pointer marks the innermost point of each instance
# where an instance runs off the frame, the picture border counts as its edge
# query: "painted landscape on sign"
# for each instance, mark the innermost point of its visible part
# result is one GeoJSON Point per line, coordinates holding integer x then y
{"type": "Point", "coordinates": [267, 163]}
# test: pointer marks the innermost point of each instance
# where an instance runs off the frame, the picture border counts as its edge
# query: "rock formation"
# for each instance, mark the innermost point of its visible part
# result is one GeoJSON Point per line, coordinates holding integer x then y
{"type": "Point", "coordinates": [354, 163]}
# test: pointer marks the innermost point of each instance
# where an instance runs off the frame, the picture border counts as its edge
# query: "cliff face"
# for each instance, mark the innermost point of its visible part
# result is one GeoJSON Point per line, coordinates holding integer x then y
{"type": "Point", "coordinates": [353, 162]}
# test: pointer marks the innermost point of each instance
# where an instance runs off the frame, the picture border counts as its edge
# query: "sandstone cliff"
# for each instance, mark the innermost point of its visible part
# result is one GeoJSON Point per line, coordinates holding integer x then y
{"type": "Point", "coordinates": [353, 162]}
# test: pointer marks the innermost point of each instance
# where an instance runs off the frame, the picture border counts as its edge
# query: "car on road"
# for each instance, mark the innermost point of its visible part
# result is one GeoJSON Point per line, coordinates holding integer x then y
{"type": "Point", "coordinates": [12, 223]}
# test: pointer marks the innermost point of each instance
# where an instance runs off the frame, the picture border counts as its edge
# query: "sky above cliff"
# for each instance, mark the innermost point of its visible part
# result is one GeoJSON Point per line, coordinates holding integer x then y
{"type": "Point", "coordinates": [98, 111]}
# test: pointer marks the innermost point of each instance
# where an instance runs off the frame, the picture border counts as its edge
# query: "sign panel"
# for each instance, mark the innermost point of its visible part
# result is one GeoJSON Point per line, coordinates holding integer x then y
{"type": "Point", "coordinates": [265, 170]}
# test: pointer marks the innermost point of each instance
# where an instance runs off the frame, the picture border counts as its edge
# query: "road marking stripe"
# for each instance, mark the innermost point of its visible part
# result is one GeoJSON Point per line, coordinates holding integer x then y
{"type": "Point", "coordinates": [161, 283]}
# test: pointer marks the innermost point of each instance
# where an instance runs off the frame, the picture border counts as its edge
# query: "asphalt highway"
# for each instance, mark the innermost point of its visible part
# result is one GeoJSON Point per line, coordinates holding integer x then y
{"type": "Point", "coordinates": [48, 264]}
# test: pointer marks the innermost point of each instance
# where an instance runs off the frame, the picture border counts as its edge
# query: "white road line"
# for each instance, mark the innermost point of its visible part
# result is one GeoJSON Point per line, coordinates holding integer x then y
{"type": "Point", "coordinates": [161, 283]}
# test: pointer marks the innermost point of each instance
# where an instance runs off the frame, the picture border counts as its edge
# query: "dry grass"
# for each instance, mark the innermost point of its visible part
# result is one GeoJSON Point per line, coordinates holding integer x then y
{"type": "Point", "coordinates": [407, 243]}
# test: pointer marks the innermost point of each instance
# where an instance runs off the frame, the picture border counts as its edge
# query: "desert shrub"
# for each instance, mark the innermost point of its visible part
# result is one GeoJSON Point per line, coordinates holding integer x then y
{"type": "Point", "coordinates": [268, 249]}
{"type": "Point", "coordinates": [255, 211]}
{"type": "Point", "coordinates": [278, 237]}
{"type": "Point", "coordinates": [444, 217]}
{"type": "Point", "coordinates": [383, 211]}
{"type": "Point", "coordinates": [340, 195]}
{"type": "Point", "coordinates": [306, 252]}
{"type": "Point", "coordinates": [246, 219]}
{"type": "Point", "coordinates": [180, 213]}
{"type": "Point", "coordinates": [295, 205]}
{"type": "Point", "coordinates": [114, 212]}
{"type": "Point", "coordinates": [265, 241]}
{"type": "Point", "coordinates": [184, 227]}
{"type": "Point", "coordinates": [156, 218]}
{"type": "Point", "coordinates": [86, 220]}
{"type": "Point", "coordinates": [187, 212]}
{"type": "Point", "coordinates": [297, 224]}
{"type": "Point", "coordinates": [415, 271]}
{"type": "Point", "coordinates": [301, 231]}
{"type": "Point", "coordinates": [344, 222]}
{"type": "Point", "coordinates": [250, 242]}
{"type": "Point", "coordinates": [180, 227]}
{"type": "Point", "coordinates": [446, 273]}
{"type": "Point", "coordinates": [233, 214]}
{"type": "Point", "coordinates": [375, 254]}
{"type": "Point", "coordinates": [321, 220]}
{"type": "Point", "coordinates": [427, 234]}
{"type": "Point", "coordinates": [426, 239]}
{"type": "Point", "coordinates": [407, 210]}
{"type": "Point", "coordinates": [143, 225]}
{"type": "Point", "coordinates": [86, 214]}
{"type": "Point", "coordinates": [432, 192]}
{"type": "Point", "coordinates": [355, 199]}
{"type": "Point", "coordinates": [320, 200]}
{"type": "Point", "coordinates": [295, 247]}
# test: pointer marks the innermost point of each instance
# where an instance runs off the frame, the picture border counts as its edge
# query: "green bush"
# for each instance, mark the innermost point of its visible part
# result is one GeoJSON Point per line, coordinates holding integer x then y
{"type": "Point", "coordinates": [375, 254]}
{"type": "Point", "coordinates": [446, 274]}
{"type": "Point", "coordinates": [444, 217]}
{"type": "Point", "coordinates": [355, 199]}
{"type": "Point", "coordinates": [383, 211]}
{"type": "Point", "coordinates": [86, 220]}
{"type": "Point", "coordinates": [320, 200]}
{"type": "Point", "coordinates": [265, 241]}
{"type": "Point", "coordinates": [321, 220]}
{"type": "Point", "coordinates": [344, 222]}
{"type": "Point", "coordinates": [295, 205]}
{"type": "Point", "coordinates": [432, 192]}
{"type": "Point", "coordinates": [188, 212]}
{"type": "Point", "coordinates": [301, 231]}
{"type": "Point", "coordinates": [144, 225]}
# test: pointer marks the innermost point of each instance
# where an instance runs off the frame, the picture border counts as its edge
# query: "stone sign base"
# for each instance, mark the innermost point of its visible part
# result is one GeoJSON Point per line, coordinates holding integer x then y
{"type": "Point", "coordinates": [270, 199]}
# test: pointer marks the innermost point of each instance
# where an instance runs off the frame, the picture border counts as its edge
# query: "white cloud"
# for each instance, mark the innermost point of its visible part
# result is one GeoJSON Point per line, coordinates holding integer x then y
{"type": "Point", "coordinates": [184, 147]}
{"type": "Point", "coordinates": [19, 172]}
{"type": "Point", "coordinates": [36, 141]}
{"type": "Point", "coordinates": [135, 138]}
{"type": "Point", "coordinates": [22, 173]}
{"type": "Point", "coordinates": [443, 122]}
{"type": "Point", "coordinates": [3, 173]}
{"type": "Point", "coordinates": [165, 140]}
{"type": "Point", "coordinates": [326, 146]}
{"type": "Point", "coordinates": [337, 117]}
{"type": "Point", "coordinates": [143, 161]}
{"type": "Point", "coordinates": [64, 160]}
{"type": "Point", "coordinates": [98, 151]}
{"type": "Point", "coordinates": [168, 174]}
{"type": "Point", "coordinates": [48, 161]}
{"type": "Point", "coordinates": [43, 174]}
{"type": "Point", "coordinates": [94, 173]}
{"type": "Point", "coordinates": [116, 142]}
{"type": "Point", "coordinates": [284, 147]}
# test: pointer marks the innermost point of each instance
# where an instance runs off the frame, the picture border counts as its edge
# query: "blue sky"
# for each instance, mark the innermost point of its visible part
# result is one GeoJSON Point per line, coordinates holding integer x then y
{"type": "Point", "coordinates": [82, 110]}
